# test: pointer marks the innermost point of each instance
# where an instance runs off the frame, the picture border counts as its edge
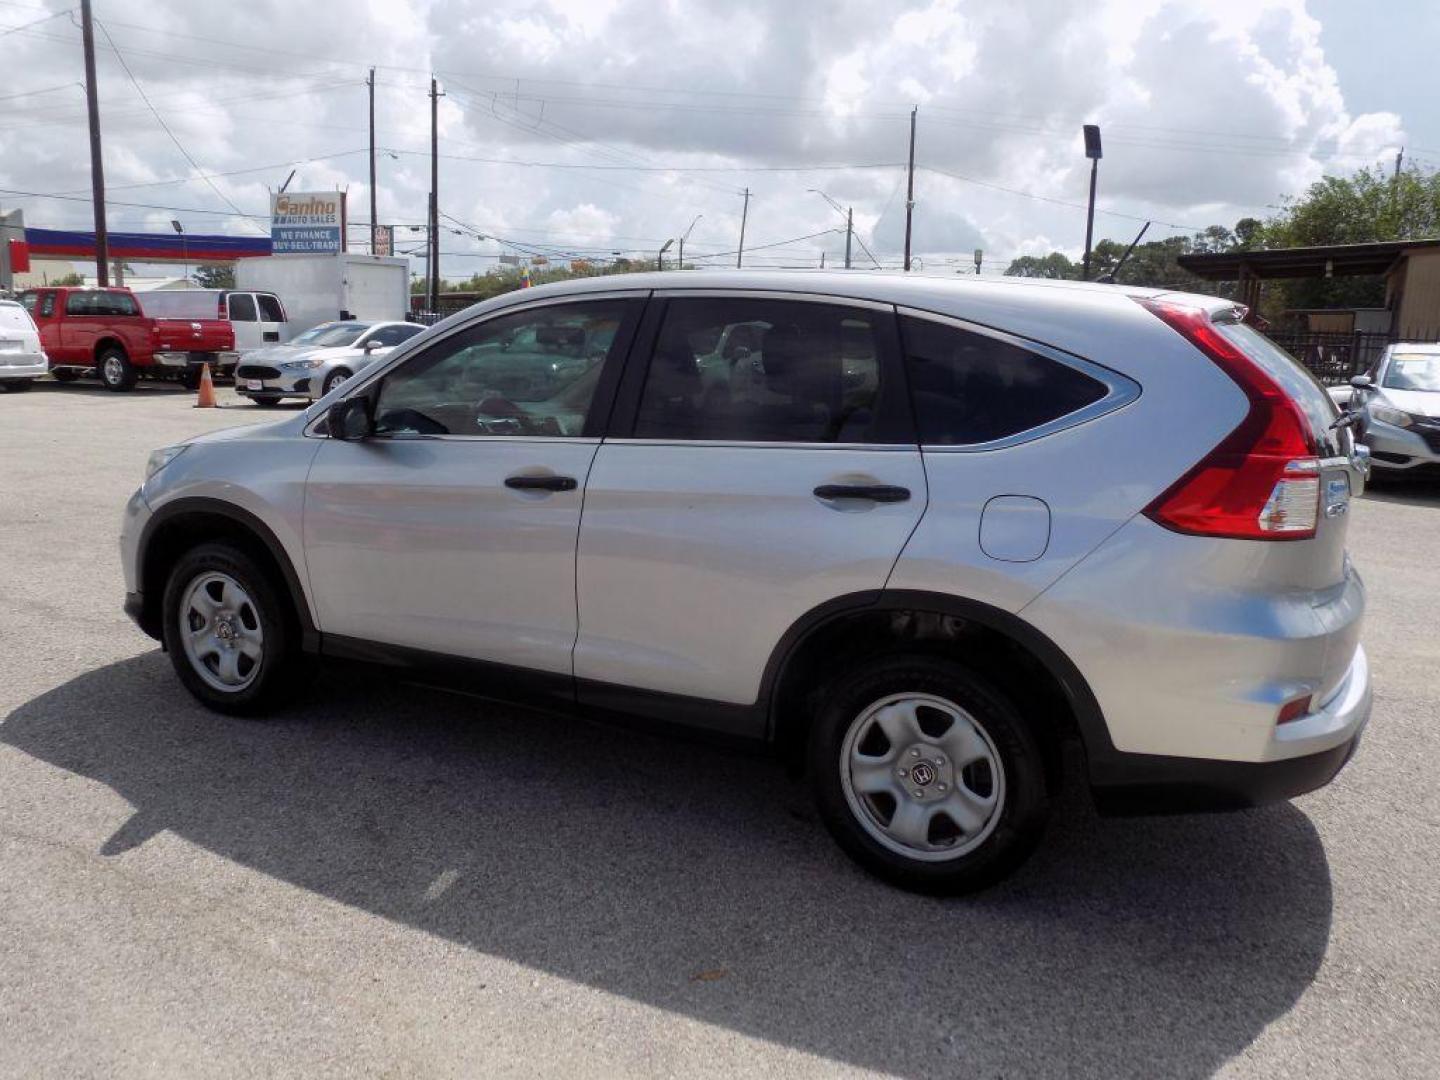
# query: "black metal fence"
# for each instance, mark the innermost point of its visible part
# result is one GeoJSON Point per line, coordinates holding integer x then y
{"type": "Point", "coordinates": [1333, 357]}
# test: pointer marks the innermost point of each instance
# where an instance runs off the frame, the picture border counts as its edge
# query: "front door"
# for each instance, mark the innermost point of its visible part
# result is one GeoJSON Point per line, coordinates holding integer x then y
{"type": "Point", "coordinates": [751, 485]}
{"type": "Point", "coordinates": [453, 529]}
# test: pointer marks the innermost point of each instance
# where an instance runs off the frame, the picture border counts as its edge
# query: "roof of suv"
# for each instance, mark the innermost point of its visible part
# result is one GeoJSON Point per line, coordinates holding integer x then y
{"type": "Point", "coordinates": [882, 285]}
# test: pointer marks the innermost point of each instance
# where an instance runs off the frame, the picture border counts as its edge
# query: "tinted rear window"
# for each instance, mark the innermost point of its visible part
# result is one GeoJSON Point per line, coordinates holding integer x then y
{"type": "Point", "coordinates": [969, 388]}
{"type": "Point", "coordinates": [1304, 389]}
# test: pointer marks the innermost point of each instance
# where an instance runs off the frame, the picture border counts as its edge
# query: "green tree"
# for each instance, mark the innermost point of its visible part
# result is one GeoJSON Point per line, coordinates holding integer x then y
{"type": "Point", "coordinates": [220, 276]}
{"type": "Point", "coordinates": [1054, 265]}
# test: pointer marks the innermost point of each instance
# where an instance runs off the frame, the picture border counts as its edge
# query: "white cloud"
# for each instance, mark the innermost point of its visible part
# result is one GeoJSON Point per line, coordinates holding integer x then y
{"type": "Point", "coordinates": [1211, 109]}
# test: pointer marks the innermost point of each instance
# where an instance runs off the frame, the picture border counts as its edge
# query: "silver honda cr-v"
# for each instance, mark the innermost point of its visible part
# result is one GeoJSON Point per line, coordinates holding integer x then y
{"type": "Point", "coordinates": [917, 533]}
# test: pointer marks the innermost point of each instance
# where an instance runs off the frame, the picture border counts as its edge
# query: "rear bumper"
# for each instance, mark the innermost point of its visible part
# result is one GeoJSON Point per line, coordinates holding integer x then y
{"type": "Point", "coordinates": [23, 365]}
{"type": "Point", "coordinates": [1153, 784]}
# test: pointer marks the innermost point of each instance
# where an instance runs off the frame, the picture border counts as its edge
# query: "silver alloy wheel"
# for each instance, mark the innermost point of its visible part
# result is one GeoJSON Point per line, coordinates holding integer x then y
{"type": "Point", "coordinates": [221, 631]}
{"type": "Point", "coordinates": [335, 380]}
{"type": "Point", "coordinates": [113, 369]}
{"type": "Point", "coordinates": [922, 777]}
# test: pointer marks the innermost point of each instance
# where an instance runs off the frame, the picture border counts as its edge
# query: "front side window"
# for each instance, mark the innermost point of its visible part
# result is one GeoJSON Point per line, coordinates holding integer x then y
{"type": "Point", "coordinates": [531, 373]}
{"type": "Point", "coordinates": [242, 307]}
{"type": "Point", "coordinates": [737, 369]}
{"type": "Point", "coordinates": [122, 304]}
{"type": "Point", "coordinates": [388, 336]}
{"type": "Point", "coordinates": [969, 388]}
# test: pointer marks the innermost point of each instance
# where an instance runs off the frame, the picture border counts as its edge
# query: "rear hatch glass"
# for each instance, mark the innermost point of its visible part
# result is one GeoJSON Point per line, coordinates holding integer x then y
{"type": "Point", "coordinates": [14, 317]}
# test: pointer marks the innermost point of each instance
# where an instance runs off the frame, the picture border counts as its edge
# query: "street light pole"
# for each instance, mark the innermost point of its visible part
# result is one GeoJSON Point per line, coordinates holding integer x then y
{"type": "Point", "coordinates": [1092, 151]}
{"type": "Point", "coordinates": [660, 255]}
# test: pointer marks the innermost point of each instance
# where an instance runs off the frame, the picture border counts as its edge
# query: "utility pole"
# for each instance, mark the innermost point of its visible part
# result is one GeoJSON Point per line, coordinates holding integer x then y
{"type": "Point", "coordinates": [849, 232]}
{"type": "Point", "coordinates": [744, 213]}
{"type": "Point", "coordinates": [909, 190]}
{"type": "Point", "coordinates": [433, 259]}
{"type": "Point", "coordinates": [681, 253]}
{"type": "Point", "coordinates": [1399, 160]}
{"type": "Point", "coordinates": [97, 163]}
{"type": "Point", "coordinates": [374, 226]}
{"type": "Point", "coordinates": [1092, 151]}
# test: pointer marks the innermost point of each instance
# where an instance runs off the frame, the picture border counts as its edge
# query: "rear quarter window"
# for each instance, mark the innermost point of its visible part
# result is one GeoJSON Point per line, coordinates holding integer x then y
{"type": "Point", "coordinates": [969, 388]}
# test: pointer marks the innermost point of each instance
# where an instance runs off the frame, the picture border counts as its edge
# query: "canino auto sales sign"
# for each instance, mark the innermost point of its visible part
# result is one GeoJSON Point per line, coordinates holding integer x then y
{"type": "Point", "coordinates": [307, 223]}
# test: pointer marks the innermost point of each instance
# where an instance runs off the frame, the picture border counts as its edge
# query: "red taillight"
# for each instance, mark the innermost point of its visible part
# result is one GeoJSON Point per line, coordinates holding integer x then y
{"type": "Point", "coordinates": [1263, 481]}
{"type": "Point", "coordinates": [221, 313]}
{"type": "Point", "coordinates": [1293, 710]}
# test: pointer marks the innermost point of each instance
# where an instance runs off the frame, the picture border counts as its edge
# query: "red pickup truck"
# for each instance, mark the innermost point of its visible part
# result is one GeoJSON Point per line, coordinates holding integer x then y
{"type": "Point", "coordinates": [106, 331]}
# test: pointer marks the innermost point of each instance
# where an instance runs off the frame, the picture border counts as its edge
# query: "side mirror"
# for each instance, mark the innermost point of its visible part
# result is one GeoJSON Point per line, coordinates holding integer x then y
{"type": "Point", "coordinates": [370, 346]}
{"type": "Point", "coordinates": [349, 419]}
{"type": "Point", "coordinates": [1362, 382]}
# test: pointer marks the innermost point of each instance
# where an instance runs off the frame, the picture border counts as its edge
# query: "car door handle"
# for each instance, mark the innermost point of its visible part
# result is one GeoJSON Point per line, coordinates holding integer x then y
{"type": "Point", "coordinates": [883, 493]}
{"type": "Point", "coordinates": [541, 483]}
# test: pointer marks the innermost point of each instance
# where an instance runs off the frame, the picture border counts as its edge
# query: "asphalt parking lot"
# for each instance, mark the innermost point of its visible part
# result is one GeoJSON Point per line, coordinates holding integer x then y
{"type": "Point", "coordinates": [397, 881]}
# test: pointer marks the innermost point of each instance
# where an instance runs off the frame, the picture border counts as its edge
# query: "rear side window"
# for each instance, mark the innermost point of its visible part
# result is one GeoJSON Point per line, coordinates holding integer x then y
{"type": "Point", "coordinates": [1302, 387]}
{"type": "Point", "coordinates": [81, 303]}
{"type": "Point", "coordinates": [270, 309]}
{"type": "Point", "coordinates": [759, 370]}
{"type": "Point", "coordinates": [242, 307]}
{"type": "Point", "coordinates": [122, 304]}
{"type": "Point", "coordinates": [47, 305]}
{"type": "Point", "coordinates": [968, 388]}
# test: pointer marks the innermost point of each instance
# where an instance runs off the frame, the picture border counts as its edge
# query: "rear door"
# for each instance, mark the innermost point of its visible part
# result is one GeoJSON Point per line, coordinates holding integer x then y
{"type": "Point", "coordinates": [245, 320]}
{"type": "Point", "coordinates": [274, 328]}
{"type": "Point", "coordinates": [733, 498]}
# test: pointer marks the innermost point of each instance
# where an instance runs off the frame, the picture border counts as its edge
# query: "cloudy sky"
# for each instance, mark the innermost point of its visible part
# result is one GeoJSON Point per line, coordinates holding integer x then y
{"type": "Point", "coordinates": [601, 126]}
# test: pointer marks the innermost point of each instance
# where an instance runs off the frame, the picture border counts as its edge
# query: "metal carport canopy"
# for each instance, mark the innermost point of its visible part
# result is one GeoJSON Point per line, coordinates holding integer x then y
{"type": "Point", "coordinates": [1337, 260]}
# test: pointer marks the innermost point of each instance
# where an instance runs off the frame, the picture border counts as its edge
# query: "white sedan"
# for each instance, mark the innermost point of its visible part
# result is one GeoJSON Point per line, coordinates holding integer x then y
{"type": "Point", "coordinates": [317, 361]}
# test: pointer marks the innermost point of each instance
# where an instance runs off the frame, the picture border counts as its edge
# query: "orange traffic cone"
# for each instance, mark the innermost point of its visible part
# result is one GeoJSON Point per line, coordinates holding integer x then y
{"type": "Point", "coordinates": [206, 398]}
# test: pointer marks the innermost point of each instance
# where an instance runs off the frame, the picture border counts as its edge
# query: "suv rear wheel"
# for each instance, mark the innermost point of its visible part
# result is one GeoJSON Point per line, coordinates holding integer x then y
{"type": "Point", "coordinates": [228, 631]}
{"type": "Point", "coordinates": [116, 371]}
{"type": "Point", "coordinates": [927, 775]}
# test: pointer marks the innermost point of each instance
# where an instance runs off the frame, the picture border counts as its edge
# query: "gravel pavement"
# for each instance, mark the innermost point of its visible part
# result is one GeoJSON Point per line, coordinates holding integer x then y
{"type": "Point", "coordinates": [396, 881]}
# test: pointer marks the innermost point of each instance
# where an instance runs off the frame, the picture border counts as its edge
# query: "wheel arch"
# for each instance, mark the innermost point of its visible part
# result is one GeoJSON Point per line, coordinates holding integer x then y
{"type": "Point", "coordinates": [182, 524]}
{"type": "Point", "coordinates": [1007, 650]}
{"type": "Point", "coordinates": [107, 344]}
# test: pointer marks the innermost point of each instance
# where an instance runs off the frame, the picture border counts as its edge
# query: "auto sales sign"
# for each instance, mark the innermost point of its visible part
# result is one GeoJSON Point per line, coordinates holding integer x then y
{"type": "Point", "coordinates": [307, 224]}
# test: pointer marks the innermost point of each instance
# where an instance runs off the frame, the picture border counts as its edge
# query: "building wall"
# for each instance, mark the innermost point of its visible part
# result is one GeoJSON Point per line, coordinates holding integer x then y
{"type": "Point", "coordinates": [1419, 315]}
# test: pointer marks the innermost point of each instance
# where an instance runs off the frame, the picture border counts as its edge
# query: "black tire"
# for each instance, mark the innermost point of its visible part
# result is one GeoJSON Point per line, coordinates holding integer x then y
{"type": "Point", "coordinates": [1022, 800]}
{"type": "Point", "coordinates": [334, 379]}
{"type": "Point", "coordinates": [281, 670]}
{"type": "Point", "coordinates": [65, 375]}
{"type": "Point", "coordinates": [116, 372]}
{"type": "Point", "coordinates": [16, 386]}
{"type": "Point", "coordinates": [267, 402]}
{"type": "Point", "coordinates": [191, 379]}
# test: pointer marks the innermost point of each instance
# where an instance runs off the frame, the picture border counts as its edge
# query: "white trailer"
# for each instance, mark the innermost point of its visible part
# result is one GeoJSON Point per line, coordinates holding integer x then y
{"type": "Point", "coordinates": [323, 288]}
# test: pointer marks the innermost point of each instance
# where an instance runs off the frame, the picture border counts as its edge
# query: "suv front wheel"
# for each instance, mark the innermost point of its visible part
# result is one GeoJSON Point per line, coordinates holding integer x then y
{"type": "Point", "coordinates": [229, 633]}
{"type": "Point", "coordinates": [927, 775]}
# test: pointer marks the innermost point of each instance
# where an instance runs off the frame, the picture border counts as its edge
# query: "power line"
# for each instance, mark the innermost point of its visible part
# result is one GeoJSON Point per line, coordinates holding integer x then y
{"type": "Point", "coordinates": [5, 31]}
{"type": "Point", "coordinates": [161, 121]}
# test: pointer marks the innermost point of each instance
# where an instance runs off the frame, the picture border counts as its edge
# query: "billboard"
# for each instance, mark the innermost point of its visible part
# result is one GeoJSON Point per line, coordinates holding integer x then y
{"type": "Point", "coordinates": [307, 223]}
{"type": "Point", "coordinates": [384, 240]}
